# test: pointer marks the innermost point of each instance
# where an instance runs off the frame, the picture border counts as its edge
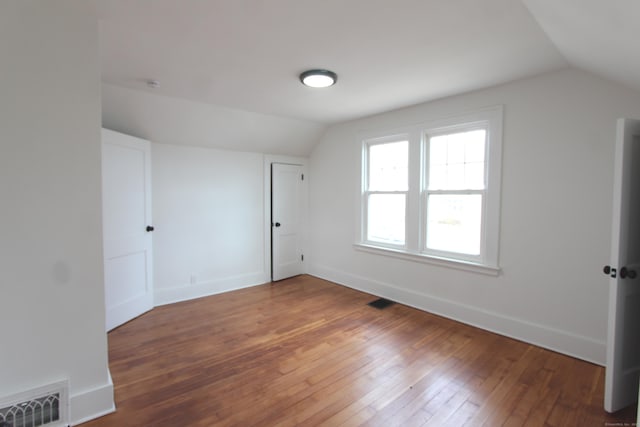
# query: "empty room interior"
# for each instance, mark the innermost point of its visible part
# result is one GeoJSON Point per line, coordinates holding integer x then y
{"type": "Point", "coordinates": [339, 213]}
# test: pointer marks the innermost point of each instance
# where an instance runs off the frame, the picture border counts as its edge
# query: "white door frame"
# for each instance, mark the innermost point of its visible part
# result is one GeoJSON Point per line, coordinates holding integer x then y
{"type": "Point", "coordinates": [268, 160]}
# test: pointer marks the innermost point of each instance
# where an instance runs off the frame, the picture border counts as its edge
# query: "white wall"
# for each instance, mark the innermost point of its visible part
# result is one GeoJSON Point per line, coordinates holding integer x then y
{"type": "Point", "coordinates": [208, 213]}
{"type": "Point", "coordinates": [51, 292]}
{"type": "Point", "coordinates": [558, 148]}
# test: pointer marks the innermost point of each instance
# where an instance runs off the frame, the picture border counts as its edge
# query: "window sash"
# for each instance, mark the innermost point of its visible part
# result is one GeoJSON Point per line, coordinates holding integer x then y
{"type": "Point", "coordinates": [366, 219]}
{"type": "Point", "coordinates": [452, 130]}
{"type": "Point", "coordinates": [374, 144]}
{"type": "Point", "coordinates": [481, 256]}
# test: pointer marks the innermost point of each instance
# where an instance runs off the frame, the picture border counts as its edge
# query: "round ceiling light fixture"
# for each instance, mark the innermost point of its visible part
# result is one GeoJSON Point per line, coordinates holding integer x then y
{"type": "Point", "coordinates": [318, 78]}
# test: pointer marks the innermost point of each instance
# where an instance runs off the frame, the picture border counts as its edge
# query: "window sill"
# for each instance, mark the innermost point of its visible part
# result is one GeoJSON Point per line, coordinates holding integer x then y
{"type": "Point", "coordinates": [427, 259]}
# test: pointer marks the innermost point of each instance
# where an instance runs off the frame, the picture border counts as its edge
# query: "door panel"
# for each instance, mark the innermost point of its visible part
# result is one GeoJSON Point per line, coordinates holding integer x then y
{"type": "Point", "coordinates": [623, 339]}
{"type": "Point", "coordinates": [126, 198]}
{"type": "Point", "coordinates": [128, 281]}
{"type": "Point", "coordinates": [286, 210]}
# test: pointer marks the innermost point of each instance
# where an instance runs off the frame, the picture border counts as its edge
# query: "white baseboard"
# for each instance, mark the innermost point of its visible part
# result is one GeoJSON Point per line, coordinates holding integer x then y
{"type": "Point", "coordinates": [179, 293]}
{"type": "Point", "coordinates": [92, 403]}
{"type": "Point", "coordinates": [578, 346]}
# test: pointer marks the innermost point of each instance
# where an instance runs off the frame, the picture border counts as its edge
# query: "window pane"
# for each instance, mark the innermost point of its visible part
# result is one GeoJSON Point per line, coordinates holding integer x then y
{"type": "Point", "coordinates": [455, 175]}
{"type": "Point", "coordinates": [438, 176]}
{"type": "Point", "coordinates": [474, 146]}
{"type": "Point", "coordinates": [454, 223]}
{"type": "Point", "coordinates": [438, 150]}
{"type": "Point", "coordinates": [455, 148]}
{"type": "Point", "coordinates": [386, 218]}
{"type": "Point", "coordinates": [474, 176]}
{"type": "Point", "coordinates": [457, 161]}
{"type": "Point", "coordinates": [389, 166]}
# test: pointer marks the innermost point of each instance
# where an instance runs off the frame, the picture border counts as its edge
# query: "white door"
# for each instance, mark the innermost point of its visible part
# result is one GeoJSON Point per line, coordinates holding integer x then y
{"type": "Point", "coordinates": [286, 210]}
{"type": "Point", "coordinates": [623, 341]}
{"type": "Point", "coordinates": [126, 205]}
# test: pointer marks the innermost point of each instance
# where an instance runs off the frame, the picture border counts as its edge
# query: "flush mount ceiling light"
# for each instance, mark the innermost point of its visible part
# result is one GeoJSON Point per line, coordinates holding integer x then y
{"type": "Point", "coordinates": [318, 78]}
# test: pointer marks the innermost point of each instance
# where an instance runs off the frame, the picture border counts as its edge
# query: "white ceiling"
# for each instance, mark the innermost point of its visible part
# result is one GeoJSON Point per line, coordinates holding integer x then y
{"type": "Point", "coordinates": [600, 36]}
{"type": "Point", "coordinates": [246, 55]}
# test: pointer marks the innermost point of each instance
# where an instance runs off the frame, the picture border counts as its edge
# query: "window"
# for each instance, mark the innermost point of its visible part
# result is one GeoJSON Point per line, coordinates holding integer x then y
{"type": "Point", "coordinates": [454, 193]}
{"type": "Point", "coordinates": [432, 193]}
{"type": "Point", "coordinates": [387, 185]}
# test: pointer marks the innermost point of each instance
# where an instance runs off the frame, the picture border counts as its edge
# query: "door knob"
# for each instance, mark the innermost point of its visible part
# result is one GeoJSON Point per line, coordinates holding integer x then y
{"type": "Point", "coordinates": [149, 228]}
{"type": "Point", "coordinates": [277, 224]}
{"type": "Point", "coordinates": [609, 271]}
{"type": "Point", "coordinates": [624, 273]}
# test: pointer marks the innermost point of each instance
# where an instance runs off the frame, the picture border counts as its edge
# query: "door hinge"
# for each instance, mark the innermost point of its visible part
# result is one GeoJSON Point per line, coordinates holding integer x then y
{"type": "Point", "coordinates": [302, 257]}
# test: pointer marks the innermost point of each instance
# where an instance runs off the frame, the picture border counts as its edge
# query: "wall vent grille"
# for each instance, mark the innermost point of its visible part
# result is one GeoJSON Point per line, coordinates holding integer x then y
{"type": "Point", "coordinates": [46, 406]}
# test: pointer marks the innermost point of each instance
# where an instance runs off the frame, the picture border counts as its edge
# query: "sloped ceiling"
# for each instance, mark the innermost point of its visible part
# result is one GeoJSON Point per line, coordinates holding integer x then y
{"type": "Point", "coordinates": [171, 120]}
{"type": "Point", "coordinates": [243, 57]}
{"type": "Point", "coordinates": [596, 35]}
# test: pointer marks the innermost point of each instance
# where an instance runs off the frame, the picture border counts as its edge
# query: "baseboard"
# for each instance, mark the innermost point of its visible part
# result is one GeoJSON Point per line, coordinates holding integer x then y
{"type": "Point", "coordinates": [577, 346]}
{"type": "Point", "coordinates": [91, 404]}
{"type": "Point", "coordinates": [179, 293]}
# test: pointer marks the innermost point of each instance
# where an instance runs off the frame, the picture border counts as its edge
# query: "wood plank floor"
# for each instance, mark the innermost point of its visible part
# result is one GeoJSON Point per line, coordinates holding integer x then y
{"type": "Point", "coordinates": [308, 352]}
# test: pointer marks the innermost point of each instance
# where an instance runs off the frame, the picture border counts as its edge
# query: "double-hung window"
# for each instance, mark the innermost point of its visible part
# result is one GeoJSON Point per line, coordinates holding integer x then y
{"type": "Point", "coordinates": [432, 192]}
{"type": "Point", "coordinates": [386, 188]}
{"type": "Point", "coordinates": [454, 192]}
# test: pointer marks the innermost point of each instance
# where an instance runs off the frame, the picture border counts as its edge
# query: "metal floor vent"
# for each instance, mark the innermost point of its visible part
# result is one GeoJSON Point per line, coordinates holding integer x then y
{"type": "Point", "coordinates": [381, 303]}
{"type": "Point", "coordinates": [45, 406]}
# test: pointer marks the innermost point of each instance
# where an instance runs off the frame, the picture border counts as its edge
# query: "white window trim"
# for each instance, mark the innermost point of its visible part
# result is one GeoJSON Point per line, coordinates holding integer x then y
{"type": "Point", "coordinates": [415, 223]}
{"type": "Point", "coordinates": [429, 259]}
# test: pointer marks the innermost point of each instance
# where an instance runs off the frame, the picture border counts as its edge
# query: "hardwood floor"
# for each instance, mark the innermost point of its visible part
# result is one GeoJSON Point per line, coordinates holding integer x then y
{"type": "Point", "coordinates": [307, 352]}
